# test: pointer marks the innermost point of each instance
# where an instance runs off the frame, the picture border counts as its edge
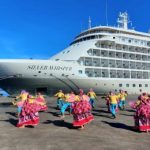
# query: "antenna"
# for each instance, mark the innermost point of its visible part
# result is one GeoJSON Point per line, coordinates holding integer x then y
{"type": "Point", "coordinates": [106, 12]}
{"type": "Point", "coordinates": [89, 27]}
{"type": "Point", "coordinates": [123, 20]}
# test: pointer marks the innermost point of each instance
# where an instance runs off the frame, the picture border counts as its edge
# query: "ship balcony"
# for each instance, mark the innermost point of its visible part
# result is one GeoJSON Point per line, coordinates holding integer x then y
{"type": "Point", "coordinates": [105, 73]}
{"type": "Point", "coordinates": [119, 55]}
{"type": "Point", "coordinates": [133, 74]}
{"type": "Point", "coordinates": [119, 64]}
{"type": "Point", "coordinates": [125, 64]}
{"type": "Point", "coordinates": [89, 73]}
{"type": "Point", "coordinates": [139, 75]}
{"type": "Point", "coordinates": [132, 65]}
{"type": "Point", "coordinates": [145, 75]}
{"type": "Point", "coordinates": [113, 74]}
{"type": "Point", "coordinates": [104, 53]}
{"type": "Point", "coordinates": [125, 55]}
{"type": "Point", "coordinates": [104, 62]}
{"type": "Point", "coordinates": [119, 73]}
{"type": "Point", "coordinates": [112, 54]}
{"type": "Point", "coordinates": [112, 63]}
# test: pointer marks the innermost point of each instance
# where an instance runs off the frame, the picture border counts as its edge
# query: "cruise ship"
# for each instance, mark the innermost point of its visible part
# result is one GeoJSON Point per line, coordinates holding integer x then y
{"type": "Point", "coordinates": [104, 58]}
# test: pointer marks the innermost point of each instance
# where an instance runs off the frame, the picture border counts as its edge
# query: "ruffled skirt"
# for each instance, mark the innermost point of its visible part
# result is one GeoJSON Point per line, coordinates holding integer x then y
{"type": "Point", "coordinates": [31, 119]}
{"type": "Point", "coordinates": [82, 119]}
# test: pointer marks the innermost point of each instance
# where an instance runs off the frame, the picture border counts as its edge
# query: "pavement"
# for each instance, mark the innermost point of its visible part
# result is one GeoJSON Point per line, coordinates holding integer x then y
{"type": "Point", "coordinates": [104, 133]}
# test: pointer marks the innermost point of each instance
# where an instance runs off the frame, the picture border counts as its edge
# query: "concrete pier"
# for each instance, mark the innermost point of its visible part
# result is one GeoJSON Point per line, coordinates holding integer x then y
{"type": "Point", "coordinates": [104, 133]}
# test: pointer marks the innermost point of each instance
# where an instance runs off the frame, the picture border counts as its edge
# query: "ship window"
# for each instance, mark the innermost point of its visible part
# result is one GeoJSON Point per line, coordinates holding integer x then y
{"type": "Point", "coordinates": [39, 72]}
{"type": "Point", "coordinates": [146, 85]}
{"type": "Point", "coordinates": [133, 85]}
{"type": "Point", "coordinates": [129, 40]}
{"type": "Point", "coordinates": [80, 71]}
{"type": "Point", "coordinates": [140, 85]}
{"type": "Point", "coordinates": [123, 39]}
{"type": "Point", "coordinates": [120, 85]}
{"type": "Point", "coordinates": [127, 85]}
{"type": "Point", "coordinates": [145, 75]}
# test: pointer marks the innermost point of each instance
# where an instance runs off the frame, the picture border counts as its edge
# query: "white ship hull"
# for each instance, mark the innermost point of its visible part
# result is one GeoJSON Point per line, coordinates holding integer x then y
{"type": "Point", "coordinates": [21, 74]}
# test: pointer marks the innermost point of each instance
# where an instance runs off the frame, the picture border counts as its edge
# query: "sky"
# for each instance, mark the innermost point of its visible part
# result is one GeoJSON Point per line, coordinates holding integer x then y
{"type": "Point", "coordinates": [41, 28]}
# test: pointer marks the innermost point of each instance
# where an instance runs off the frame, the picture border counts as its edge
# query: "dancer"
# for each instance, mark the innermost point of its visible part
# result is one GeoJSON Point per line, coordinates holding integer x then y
{"type": "Point", "coordinates": [142, 114]}
{"type": "Point", "coordinates": [19, 101]}
{"type": "Point", "coordinates": [122, 99]}
{"type": "Point", "coordinates": [29, 113]}
{"type": "Point", "coordinates": [108, 101]}
{"type": "Point", "coordinates": [113, 103]}
{"type": "Point", "coordinates": [81, 111]}
{"type": "Point", "coordinates": [41, 101]}
{"type": "Point", "coordinates": [60, 96]}
{"type": "Point", "coordinates": [69, 99]}
{"type": "Point", "coordinates": [92, 96]}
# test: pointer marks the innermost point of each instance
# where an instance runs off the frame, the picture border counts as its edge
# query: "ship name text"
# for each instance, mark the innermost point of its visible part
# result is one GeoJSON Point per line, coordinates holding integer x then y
{"type": "Point", "coordinates": [40, 67]}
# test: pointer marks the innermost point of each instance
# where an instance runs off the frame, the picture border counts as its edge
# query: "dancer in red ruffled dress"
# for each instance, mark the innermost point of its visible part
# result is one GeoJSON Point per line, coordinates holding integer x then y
{"type": "Point", "coordinates": [29, 113]}
{"type": "Point", "coordinates": [41, 101]}
{"type": "Point", "coordinates": [81, 111]}
{"type": "Point", "coordinates": [142, 114]}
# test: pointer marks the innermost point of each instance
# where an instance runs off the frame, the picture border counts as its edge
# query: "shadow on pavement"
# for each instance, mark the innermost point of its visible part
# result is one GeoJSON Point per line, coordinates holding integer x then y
{"type": "Point", "coordinates": [6, 104]}
{"type": "Point", "coordinates": [126, 114]}
{"type": "Point", "coordinates": [12, 114]}
{"type": "Point", "coordinates": [13, 121]}
{"type": "Point", "coordinates": [60, 123]}
{"type": "Point", "coordinates": [130, 110]}
{"type": "Point", "coordinates": [120, 125]}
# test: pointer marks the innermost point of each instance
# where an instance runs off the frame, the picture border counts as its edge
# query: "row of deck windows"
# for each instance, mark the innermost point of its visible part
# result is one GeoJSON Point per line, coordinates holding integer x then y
{"type": "Point", "coordinates": [97, 62]}
{"type": "Point", "coordinates": [105, 73]}
{"type": "Point", "coordinates": [119, 55]}
{"type": "Point", "coordinates": [129, 48]}
{"type": "Point", "coordinates": [133, 85]}
{"type": "Point", "coordinates": [134, 41]}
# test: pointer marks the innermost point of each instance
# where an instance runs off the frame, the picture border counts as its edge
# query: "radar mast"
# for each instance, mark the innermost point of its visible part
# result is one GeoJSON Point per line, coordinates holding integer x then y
{"type": "Point", "coordinates": [123, 20]}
